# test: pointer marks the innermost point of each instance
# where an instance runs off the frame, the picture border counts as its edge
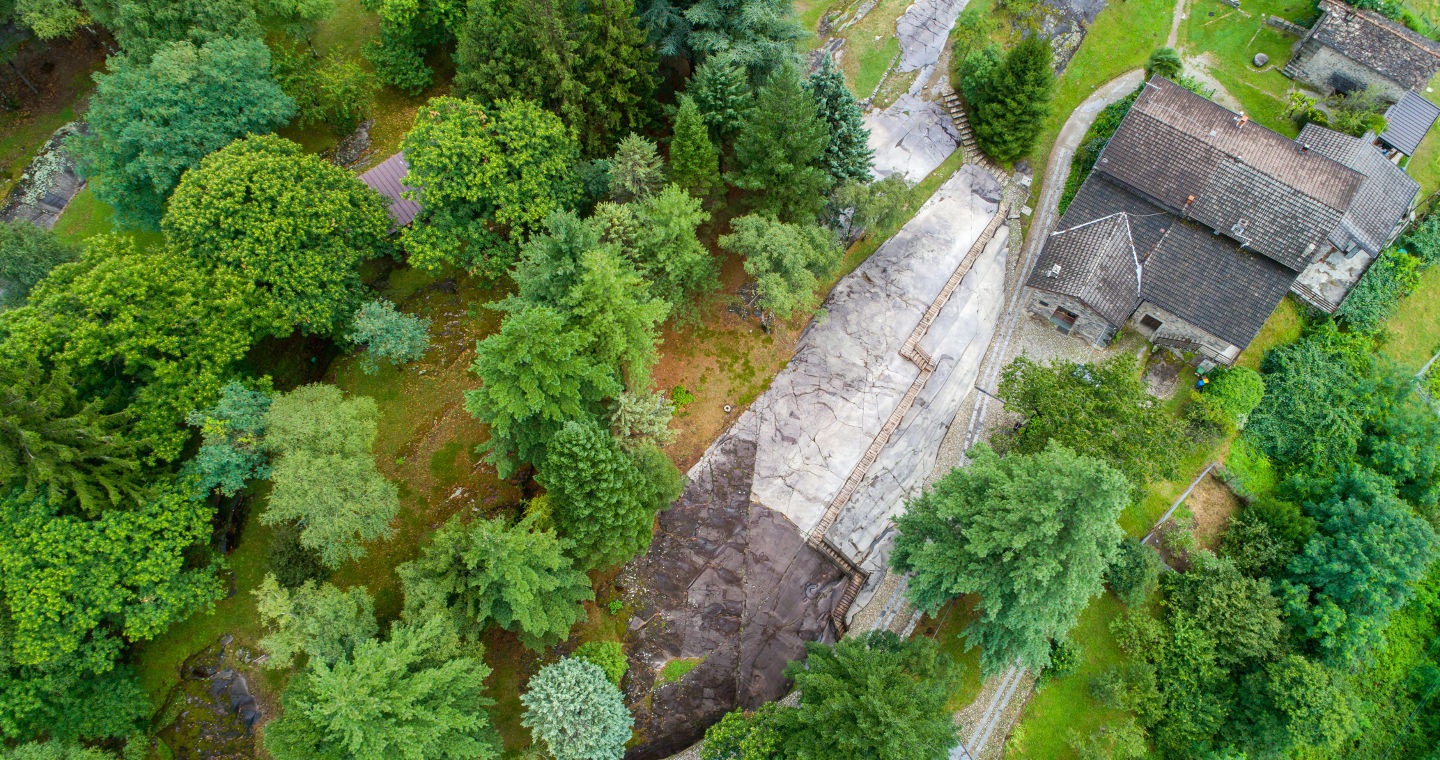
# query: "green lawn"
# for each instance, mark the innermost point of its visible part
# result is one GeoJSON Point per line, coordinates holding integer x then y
{"type": "Point", "coordinates": [1065, 704]}
{"type": "Point", "coordinates": [1229, 39]}
{"type": "Point", "coordinates": [87, 216]}
{"type": "Point", "coordinates": [945, 627]}
{"type": "Point", "coordinates": [1412, 334]}
{"type": "Point", "coordinates": [1122, 37]}
{"type": "Point", "coordinates": [866, 58]}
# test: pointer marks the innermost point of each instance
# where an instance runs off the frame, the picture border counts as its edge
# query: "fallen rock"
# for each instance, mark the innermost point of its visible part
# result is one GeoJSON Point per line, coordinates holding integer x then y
{"type": "Point", "coordinates": [1261, 59]}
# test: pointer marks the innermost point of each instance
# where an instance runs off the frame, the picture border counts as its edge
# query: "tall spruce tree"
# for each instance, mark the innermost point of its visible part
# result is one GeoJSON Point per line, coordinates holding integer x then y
{"type": "Point", "coordinates": [617, 68]}
{"type": "Point", "coordinates": [1011, 105]}
{"type": "Point", "coordinates": [722, 95]}
{"type": "Point", "coordinates": [760, 35]}
{"type": "Point", "coordinates": [602, 500]}
{"type": "Point", "coordinates": [780, 151]}
{"type": "Point", "coordinates": [525, 48]}
{"type": "Point", "coordinates": [694, 162]}
{"type": "Point", "coordinates": [848, 156]}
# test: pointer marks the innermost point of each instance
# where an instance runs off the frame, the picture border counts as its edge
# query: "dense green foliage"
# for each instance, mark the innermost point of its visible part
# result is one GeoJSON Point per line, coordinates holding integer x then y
{"type": "Point", "coordinates": [76, 590]}
{"type": "Point", "coordinates": [1388, 280]}
{"type": "Point", "coordinates": [139, 331]}
{"type": "Point", "coordinates": [152, 121]}
{"type": "Point", "coordinates": [668, 251]}
{"type": "Point", "coordinates": [757, 735]}
{"type": "Point", "coordinates": [723, 96]}
{"type": "Point", "coordinates": [1032, 534]}
{"type": "Point", "coordinates": [1164, 62]}
{"type": "Point", "coordinates": [418, 694]}
{"type": "Point", "coordinates": [1092, 143]}
{"type": "Point", "coordinates": [490, 571]}
{"type": "Point", "coordinates": [334, 90]}
{"type": "Point", "coordinates": [291, 223]}
{"type": "Point", "coordinates": [1134, 572]}
{"type": "Point", "coordinates": [576, 711]}
{"type": "Point", "coordinates": [786, 260]}
{"type": "Point", "coordinates": [232, 433]}
{"type": "Point", "coordinates": [758, 35]}
{"type": "Point", "coordinates": [387, 335]}
{"type": "Point", "coordinates": [485, 177]}
{"type": "Point", "coordinates": [321, 622]}
{"type": "Point", "coordinates": [780, 151]}
{"type": "Point", "coordinates": [871, 697]}
{"type": "Point", "coordinates": [694, 160]}
{"type": "Point", "coordinates": [27, 254]}
{"type": "Point", "coordinates": [847, 155]}
{"type": "Point", "coordinates": [636, 169]}
{"type": "Point", "coordinates": [609, 655]}
{"type": "Point", "coordinates": [1012, 101]}
{"type": "Point", "coordinates": [324, 475]}
{"type": "Point", "coordinates": [1100, 410]}
{"type": "Point", "coordinates": [603, 501]}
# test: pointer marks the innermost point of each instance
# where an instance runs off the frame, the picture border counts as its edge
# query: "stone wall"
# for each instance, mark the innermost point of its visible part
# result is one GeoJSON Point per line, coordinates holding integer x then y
{"type": "Point", "coordinates": [1088, 325]}
{"type": "Point", "coordinates": [1328, 71]}
{"type": "Point", "coordinates": [1173, 325]}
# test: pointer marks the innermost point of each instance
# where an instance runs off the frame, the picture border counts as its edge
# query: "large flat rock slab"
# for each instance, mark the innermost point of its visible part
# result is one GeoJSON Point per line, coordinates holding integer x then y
{"type": "Point", "coordinates": [911, 138]}
{"type": "Point", "coordinates": [923, 30]}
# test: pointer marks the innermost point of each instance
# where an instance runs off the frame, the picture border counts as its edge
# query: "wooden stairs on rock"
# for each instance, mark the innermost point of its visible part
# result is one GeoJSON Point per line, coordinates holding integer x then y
{"type": "Point", "coordinates": [912, 352]}
{"type": "Point", "coordinates": [973, 155]}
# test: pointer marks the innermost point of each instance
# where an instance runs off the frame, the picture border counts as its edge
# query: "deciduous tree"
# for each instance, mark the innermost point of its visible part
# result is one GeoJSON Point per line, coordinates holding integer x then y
{"type": "Point", "coordinates": [490, 571]}
{"type": "Point", "coordinates": [485, 177]}
{"type": "Point", "coordinates": [322, 622]}
{"type": "Point", "coordinates": [324, 473]}
{"type": "Point", "coordinates": [292, 223]}
{"type": "Point", "coordinates": [152, 121]}
{"type": "Point", "coordinates": [786, 260]}
{"type": "Point", "coordinates": [1030, 533]}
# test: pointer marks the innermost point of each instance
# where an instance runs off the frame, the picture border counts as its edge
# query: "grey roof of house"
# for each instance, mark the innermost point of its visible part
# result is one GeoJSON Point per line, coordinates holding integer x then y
{"type": "Point", "coordinates": [1407, 122]}
{"type": "Point", "coordinates": [1186, 269]}
{"type": "Point", "coordinates": [1097, 264]}
{"type": "Point", "coordinates": [1378, 43]}
{"type": "Point", "coordinates": [1384, 196]}
{"type": "Point", "coordinates": [1247, 182]}
{"type": "Point", "coordinates": [387, 179]}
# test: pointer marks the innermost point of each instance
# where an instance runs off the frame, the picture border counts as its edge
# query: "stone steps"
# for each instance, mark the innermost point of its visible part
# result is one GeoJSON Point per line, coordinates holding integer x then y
{"type": "Point", "coordinates": [1290, 70]}
{"type": "Point", "coordinates": [956, 109]}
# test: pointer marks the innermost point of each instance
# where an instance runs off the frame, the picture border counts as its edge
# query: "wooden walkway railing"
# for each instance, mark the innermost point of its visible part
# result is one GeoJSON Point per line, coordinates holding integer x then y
{"type": "Point", "coordinates": [912, 352]}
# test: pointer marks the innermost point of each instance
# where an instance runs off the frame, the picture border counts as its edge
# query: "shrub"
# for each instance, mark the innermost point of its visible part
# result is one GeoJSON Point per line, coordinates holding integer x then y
{"type": "Point", "coordinates": [1164, 62]}
{"type": "Point", "coordinates": [1065, 658]}
{"type": "Point", "coordinates": [1094, 141]}
{"type": "Point", "coordinates": [1134, 572]}
{"type": "Point", "coordinates": [609, 655]}
{"type": "Point", "coordinates": [398, 64]}
{"type": "Point", "coordinates": [1390, 278]}
{"type": "Point", "coordinates": [1248, 472]}
{"type": "Point", "coordinates": [576, 711]}
{"type": "Point", "coordinates": [388, 335]}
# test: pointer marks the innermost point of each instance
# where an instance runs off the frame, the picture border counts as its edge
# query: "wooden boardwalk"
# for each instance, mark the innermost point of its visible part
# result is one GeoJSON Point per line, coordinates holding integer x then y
{"type": "Point", "coordinates": [911, 352]}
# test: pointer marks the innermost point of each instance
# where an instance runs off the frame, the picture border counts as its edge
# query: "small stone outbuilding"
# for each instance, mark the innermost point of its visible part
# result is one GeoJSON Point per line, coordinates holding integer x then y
{"type": "Point", "coordinates": [1350, 49]}
{"type": "Point", "coordinates": [1195, 223]}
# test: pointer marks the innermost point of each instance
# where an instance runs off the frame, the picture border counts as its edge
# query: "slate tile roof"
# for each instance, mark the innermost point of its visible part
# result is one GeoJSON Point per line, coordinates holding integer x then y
{"type": "Point", "coordinates": [1248, 182]}
{"type": "Point", "coordinates": [386, 178]}
{"type": "Point", "coordinates": [1185, 268]}
{"type": "Point", "coordinates": [1384, 197]}
{"type": "Point", "coordinates": [1407, 122]}
{"type": "Point", "coordinates": [1377, 43]}
{"type": "Point", "coordinates": [1097, 264]}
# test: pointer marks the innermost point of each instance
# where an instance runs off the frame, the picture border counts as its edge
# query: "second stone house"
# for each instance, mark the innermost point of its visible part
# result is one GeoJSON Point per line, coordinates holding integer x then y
{"type": "Point", "coordinates": [1195, 223]}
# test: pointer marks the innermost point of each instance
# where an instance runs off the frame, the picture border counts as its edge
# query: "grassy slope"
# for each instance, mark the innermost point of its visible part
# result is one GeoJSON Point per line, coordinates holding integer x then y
{"type": "Point", "coordinates": [1230, 39]}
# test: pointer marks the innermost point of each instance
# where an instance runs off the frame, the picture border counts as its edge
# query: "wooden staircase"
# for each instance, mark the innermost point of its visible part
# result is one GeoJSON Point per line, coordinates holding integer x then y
{"type": "Point", "coordinates": [973, 155]}
{"type": "Point", "coordinates": [912, 352]}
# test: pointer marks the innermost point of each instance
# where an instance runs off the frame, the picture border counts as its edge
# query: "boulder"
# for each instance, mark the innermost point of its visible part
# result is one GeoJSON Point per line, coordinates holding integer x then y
{"type": "Point", "coordinates": [1261, 59]}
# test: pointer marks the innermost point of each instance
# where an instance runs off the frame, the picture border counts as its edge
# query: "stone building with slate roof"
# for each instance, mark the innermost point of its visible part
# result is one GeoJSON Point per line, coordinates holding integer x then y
{"type": "Point", "coordinates": [1195, 223]}
{"type": "Point", "coordinates": [1351, 49]}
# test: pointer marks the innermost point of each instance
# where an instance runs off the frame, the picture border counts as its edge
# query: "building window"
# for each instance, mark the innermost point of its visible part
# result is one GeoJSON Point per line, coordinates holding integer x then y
{"type": "Point", "coordinates": [1149, 322]}
{"type": "Point", "coordinates": [1064, 320]}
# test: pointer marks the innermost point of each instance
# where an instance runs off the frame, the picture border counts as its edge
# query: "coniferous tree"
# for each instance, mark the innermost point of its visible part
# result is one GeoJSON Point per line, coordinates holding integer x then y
{"type": "Point", "coordinates": [723, 96]}
{"type": "Point", "coordinates": [617, 68]}
{"type": "Point", "coordinates": [759, 35]}
{"type": "Point", "coordinates": [848, 155]}
{"type": "Point", "coordinates": [489, 571]}
{"type": "Point", "coordinates": [1011, 105]}
{"type": "Point", "coordinates": [417, 695]}
{"type": "Point", "coordinates": [669, 253]}
{"type": "Point", "coordinates": [232, 436]}
{"type": "Point", "coordinates": [576, 711]}
{"type": "Point", "coordinates": [786, 260]}
{"type": "Point", "coordinates": [322, 622]}
{"type": "Point", "coordinates": [56, 446]}
{"type": "Point", "coordinates": [636, 169]}
{"type": "Point", "coordinates": [535, 376]}
{"type": "Point", "coordinates": [524, 48]}
{"type": "Point", "coordinates": [694, 161]}
{"type": "Point", "coordinates": [780, 151]}
{"type": "Point", "coordinates": [871, 696]}
{"type": "Point", "coordinates": [1031, 534]}
{"type": "Point", "coordinates": [602, 501]}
